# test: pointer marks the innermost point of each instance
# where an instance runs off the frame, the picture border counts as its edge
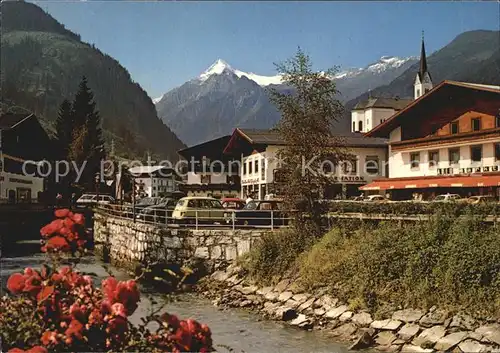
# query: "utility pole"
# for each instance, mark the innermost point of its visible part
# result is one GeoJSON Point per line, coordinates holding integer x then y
{"type": "Point", "coordinates": [1, 165]}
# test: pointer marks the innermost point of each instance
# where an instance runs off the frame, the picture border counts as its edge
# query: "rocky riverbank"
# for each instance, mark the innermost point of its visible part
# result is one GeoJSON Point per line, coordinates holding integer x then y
{"type": "Point", "coordinates": [405, 330]}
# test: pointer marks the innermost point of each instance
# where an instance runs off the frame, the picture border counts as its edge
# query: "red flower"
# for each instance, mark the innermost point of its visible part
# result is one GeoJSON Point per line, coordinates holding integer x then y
{"type": "Point", "coordinates": [127, 293]}
{"type": "Point", "coordinates": [52, 228]}
{"type": "Point", "coordinates": [16, 283]}
{"type": "Point", "coordinates": [61, 213]}
{"type": "Point", "coordinates": [109, 287]}
{"type": "Point", "coordinates": [75, 329]}
{"type": "Point", "coordinates": [69, 223]}
{"type": "Point", "coordinates": [45, 293]}
{"type": "Point", "coordinates": [193, 326]}
{"type": "Point", "coordinates": [33, 284]}
{"type": "Point", "coordinates": [78, 218]}
{"type": "Point", "coordinates": [16, 350]}
{"type": "Point", "coordinates": [49, 337]}
{"type": "Point", "coordinates": [57, 243]}
{"type": "Point", "coordinates": [37, 349]}
{"type": "Point", "coordinates": [117, 325]}
{"type": "Point", "coordinates": [118, 309]}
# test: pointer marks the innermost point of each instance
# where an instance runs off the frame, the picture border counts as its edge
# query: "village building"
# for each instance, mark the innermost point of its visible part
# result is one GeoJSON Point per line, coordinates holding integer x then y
{"type": "Point", "coordinates": [23, 143]}
{"type": "Point", "coordinates": [258, 151]}
{"type": "Point", "coordinates": [446, 141]}
{"type": "Point", "coordinates": [155, 181]}
{"type": "Point", "coordinates": [209, 171]}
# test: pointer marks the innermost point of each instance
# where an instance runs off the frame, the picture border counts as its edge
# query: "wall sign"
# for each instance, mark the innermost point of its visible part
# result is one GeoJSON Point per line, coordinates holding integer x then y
{"type": "Point", "coordinates": [470, 170]}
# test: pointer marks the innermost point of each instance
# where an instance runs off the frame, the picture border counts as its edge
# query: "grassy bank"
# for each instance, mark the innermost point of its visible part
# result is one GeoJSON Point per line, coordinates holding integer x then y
{"type": "Point", "coordinates": [449, 262]}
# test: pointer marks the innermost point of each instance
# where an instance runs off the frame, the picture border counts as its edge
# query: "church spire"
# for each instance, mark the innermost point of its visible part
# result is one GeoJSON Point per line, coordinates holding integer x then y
{"type": "Point", "coordinates": [423, 80]}
{"type": "Point", "coordinates": [423, 60]}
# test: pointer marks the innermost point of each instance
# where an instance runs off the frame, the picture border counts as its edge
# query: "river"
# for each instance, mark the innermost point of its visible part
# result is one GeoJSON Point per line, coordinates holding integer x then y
{"type": "Point", "coordinates": [238, 329]}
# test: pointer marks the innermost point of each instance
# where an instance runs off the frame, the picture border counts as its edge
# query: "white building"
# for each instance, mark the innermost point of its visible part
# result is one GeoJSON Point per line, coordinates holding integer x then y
{"type": "Point", "coordinates": [367, 114]}
{"type": "Point", "coordinates": [258, 151]}
{"type": "Point", "coordinates": [155, 181]}
{"type": "Point", "coordinates": [448, 140]}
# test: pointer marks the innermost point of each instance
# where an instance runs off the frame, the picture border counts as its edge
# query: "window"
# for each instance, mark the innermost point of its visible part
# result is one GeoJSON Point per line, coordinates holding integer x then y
{"type": "Point", "coordinates": [256, 166]}
{"type": "Point", "coordinates": [476, 153]}
{"type": "Point", "coordinates": [415, 160]}
{"type": "Point", "coordinates": [497, 120]}
{"type": "Point", "coordinates": [418, 93]}
{"type": "Point", "coordinates": [244, 168]}
{"type": "Point", "coordinates": [476, 124]}
{"type": "Point", "coordinates": [372, 166]}
{"type": "Point", "coordinates": [353, 126]}
{"type": "Point", "coordinates": [433, 159]}
{"type": "Point", "coordinates": [250, 167]}
{"type": "Point", "coordinates": [454, 155]}
{"type": "Point", "coordinates": [497, 151]}
{"type": "Point", "coordinates": [454, 128]}
{"type": "Point", "coordinates": [349, 166]}
{"type": "Point", "coordinates": [360, 126]}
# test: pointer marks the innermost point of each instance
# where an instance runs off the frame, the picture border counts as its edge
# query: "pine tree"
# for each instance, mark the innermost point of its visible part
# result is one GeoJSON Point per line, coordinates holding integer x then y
{"type": "Point", "coordinates": [90, 144]}
{"type": "Point", "coordinates": [64, 128]}
{"type": "Point", "coordinates": [308, 112]}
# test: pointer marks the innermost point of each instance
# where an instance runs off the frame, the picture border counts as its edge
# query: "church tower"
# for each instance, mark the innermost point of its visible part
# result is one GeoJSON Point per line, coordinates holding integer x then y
{"type": "Point", "coordinates": [423, 81]}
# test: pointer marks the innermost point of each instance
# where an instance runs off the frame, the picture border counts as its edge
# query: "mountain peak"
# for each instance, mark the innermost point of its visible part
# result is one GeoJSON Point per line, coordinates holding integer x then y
{"type": "Point", "coordinates": [217, 68]}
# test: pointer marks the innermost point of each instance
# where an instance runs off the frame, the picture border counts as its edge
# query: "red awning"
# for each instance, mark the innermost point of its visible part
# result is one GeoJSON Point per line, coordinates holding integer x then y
{"type": "Point", "coordinates": [444, 182]}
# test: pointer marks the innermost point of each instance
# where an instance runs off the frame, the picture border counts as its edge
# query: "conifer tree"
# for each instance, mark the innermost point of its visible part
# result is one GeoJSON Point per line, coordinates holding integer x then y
{"type": "Point", "coordinates": [64, 129]}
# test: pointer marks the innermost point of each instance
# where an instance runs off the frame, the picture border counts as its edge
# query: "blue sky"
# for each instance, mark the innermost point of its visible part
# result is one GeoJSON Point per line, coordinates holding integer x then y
{"type": "Point", "coordinates": [164, 44]}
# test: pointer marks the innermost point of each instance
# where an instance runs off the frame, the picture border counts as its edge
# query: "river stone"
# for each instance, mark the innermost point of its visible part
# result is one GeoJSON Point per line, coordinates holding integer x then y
{"type": "Point", "coordinates": [436, 317]}
{"type": "Point", "coordinates": [363, 341]}
{"type": "Point", "coordinates": [300, 319]}
{"type": "Point", "coordinates": [282, 285]}
{"type": "Point", "coordinates": [220, 276]}
{"type": "Point", "coordinates": [245, 303]}
{"type": "Point", "coordinates": [389, 349]}
{"type": "Point", "coordinates": [463, 321]}
{"type": "Point", "coordinates": [285, 314]}
{"type": "Point", "coordinates": [431, 335]}
{"type": "Point", "coordinates": [450, 341]}
{"type": "Point", "coordinates": [346, 316]}
{"type": "Point", "coordinates": [272, 296]}
{"type": "Point", "coordinates": [387, 324]}
{"type": "Point", "coordinates": [362, 319]}
{"type": "Point", "coordinates": [307, 304]}
{"type": "Point", "coordinates": [270, 308]}
{"type": "Point", "coordinates": [292, 304]}
{"type": "Point", "coordinates": [491, 332]}
{"type": "Point", "coordinates": [345, 331]}
{"type": "Point", "coordinates": [301, 298]}
{"type": "Point", "coordinates": [264, 291]}
{"type": "Point", "coordinates": [335, 313]}
{"type": "Point", "coordinates": [385, 338]}
{"type": "Point", "coordinates": [408, 331]}
{"type": "Point", "coordinates": [319, 312]}
{"type": "Point", "coordinates": [283, 297]}
{"type": "Point", "coordinates": [415, 349]}
{"type": "Point", "coordinates": [248, 290]}
{"type": "Point", "coordinates": [472, 346]}
{"type": "Point", "coordinates": [327, 302]}
{"type": "Point", "coordinates": [407, 315]}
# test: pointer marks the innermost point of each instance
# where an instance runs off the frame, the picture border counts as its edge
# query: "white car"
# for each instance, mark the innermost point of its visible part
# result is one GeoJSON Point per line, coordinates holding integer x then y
{"type": "Point", "coordinates": [90, 199]}
{"type": "Point", "coordinates": [375, 198]}
{"type": "Point", "coordinates": [447, 198]}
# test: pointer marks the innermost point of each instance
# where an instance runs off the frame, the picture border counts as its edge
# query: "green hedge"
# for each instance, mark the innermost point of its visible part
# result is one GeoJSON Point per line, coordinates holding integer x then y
{"type": "Point", "coordinates": [413, 208]}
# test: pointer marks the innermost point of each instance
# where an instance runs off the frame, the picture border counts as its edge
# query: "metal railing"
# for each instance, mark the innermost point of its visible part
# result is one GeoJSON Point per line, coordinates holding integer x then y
{"type": "Point", "coordinates": [200, 218]}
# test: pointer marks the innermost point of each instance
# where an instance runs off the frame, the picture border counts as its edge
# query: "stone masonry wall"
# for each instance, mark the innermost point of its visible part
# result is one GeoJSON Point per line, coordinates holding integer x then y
{"type": "Point", "coordinates": [131, 243]}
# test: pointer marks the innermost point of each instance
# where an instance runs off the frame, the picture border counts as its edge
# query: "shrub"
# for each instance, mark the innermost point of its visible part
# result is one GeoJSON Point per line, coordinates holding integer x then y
{"type": "Point", "coordinates": [450, 263]}
{"type": "Point", "coordinates": [60, 309]}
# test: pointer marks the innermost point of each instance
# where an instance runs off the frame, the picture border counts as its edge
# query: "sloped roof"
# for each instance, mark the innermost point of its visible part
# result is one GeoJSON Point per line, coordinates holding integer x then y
{"type": "Point", "coordinates": [207, 148]}
{"type": "Point", "coordinates": [11, 120]}
{"type": "Point", "coordinates": [393, 103]}
{"type": "Point", "coordinates": [438, 97]}
{"type": "Point", "coordinates": [271, 137]}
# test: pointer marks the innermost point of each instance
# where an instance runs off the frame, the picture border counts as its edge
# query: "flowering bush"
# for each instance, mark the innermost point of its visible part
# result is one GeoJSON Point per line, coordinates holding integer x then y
{"type": "Point", "coordinates": [60, 309]}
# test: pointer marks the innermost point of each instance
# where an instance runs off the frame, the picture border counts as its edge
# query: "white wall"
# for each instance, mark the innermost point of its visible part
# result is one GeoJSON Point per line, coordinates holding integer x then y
{"type": "Point", "coordinates": [215, 178]}
{"type": "Point", "coordinates": [356, 116]}
{"type": "Point", "coordinates": [400, 160]}
{"type": "Point", "coordinates": [11, 181]}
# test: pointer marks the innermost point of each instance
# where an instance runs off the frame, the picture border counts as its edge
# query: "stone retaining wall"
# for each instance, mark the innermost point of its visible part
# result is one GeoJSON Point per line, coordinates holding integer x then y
{"type": "Point", "coordinates": [130, 244]}
{"type": "Point", "coordinates": [404, 330]}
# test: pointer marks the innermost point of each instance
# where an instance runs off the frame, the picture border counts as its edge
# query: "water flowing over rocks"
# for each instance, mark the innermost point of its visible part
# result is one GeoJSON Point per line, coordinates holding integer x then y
{"type": "Point", "coordinates": [406, 330]}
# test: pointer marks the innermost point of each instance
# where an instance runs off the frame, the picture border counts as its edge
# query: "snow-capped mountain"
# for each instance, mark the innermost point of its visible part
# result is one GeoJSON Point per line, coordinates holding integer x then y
{"type": "Point", "coordinates": [222, 98]}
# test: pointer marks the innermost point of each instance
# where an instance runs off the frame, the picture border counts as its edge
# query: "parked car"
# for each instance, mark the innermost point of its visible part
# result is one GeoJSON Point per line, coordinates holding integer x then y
{"type": "Point", "coordinates": [375, 198]}
{"type": "Point", "coordinates": [260, 212]}
{"type": "Point", "coordinates": [233, 203]}
{"type": "Point", "coordinates": [447, 198]}
{"type": "Point", "coordinates": [481, 199]}
{"type": "Point", "coordinates": [93, 199]}
{"type": "Point", "coordinates": [192, 209]}
{"type": "Point", "coordinates": [160, 213]}
{"type": "Point", "coordinates": [357, 198]}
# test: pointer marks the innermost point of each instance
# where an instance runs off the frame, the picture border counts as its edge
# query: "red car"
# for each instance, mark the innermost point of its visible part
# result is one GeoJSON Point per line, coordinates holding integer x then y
{"type": "Point", "coordinates": [233, 203]}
